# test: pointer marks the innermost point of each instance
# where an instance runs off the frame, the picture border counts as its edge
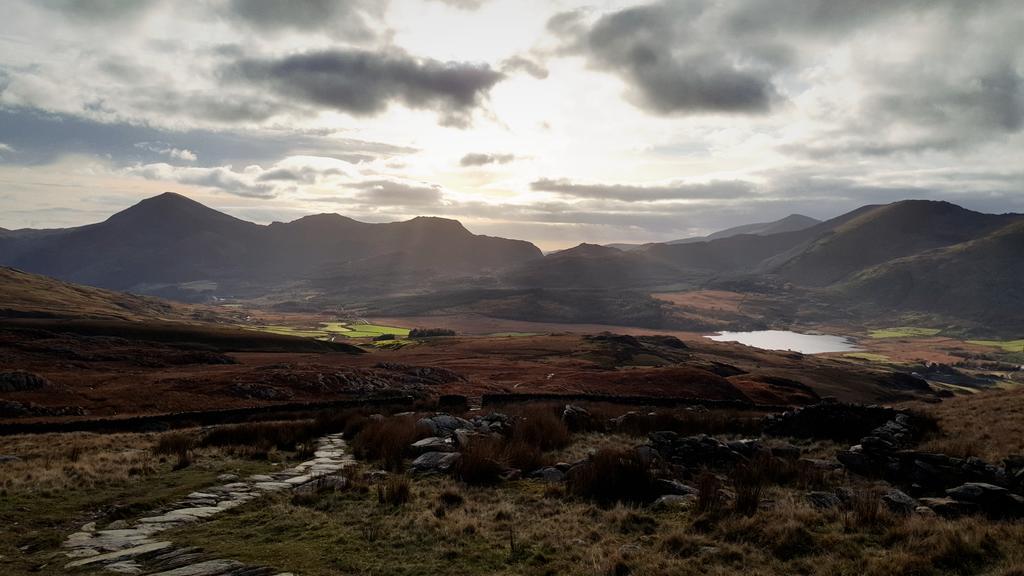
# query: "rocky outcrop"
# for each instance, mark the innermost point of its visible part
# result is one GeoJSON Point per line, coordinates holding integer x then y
{"type": "Point", "coordinates": [21, 381]}
{"type": "Point", "coordinates": [834, 421]}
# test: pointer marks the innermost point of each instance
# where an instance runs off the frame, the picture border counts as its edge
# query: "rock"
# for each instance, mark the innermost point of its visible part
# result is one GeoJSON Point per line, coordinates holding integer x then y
{"type": "Point", "coordinates": [695, 451]}
{"type": "Point", "coordinates": [978, 493]}
{"type": "Point", "coordinates": [786, 451]}
{"type": "Point", "coordinates": [227, 478]}
{"type": "Point", "coordinates": [948, 507]}
{"type": "Point", "coordinates": [924, 511]}
{"type": "Point", "coordinates": [432, 444]}
{"type": "Point", "coordinates": [117, 525]}
{"type": "Point", "coordinates": [5, 459]}
{"type": "Point", "coordinates": [628, 421]}
{"type": "Point", "coordinates": [824, 500]}
{"type": "Point", "coordinates": [676, 487]}
{"type": "Point", "coordinates": [21, 381]}
{"type": "Point", "coordinates": [577, 418]}
{"type": "Point", "coordinates": [674, 502]}
{"type": "Point", "coordinates": [648, 455]}
{"type": "Point", "coordinates": [434, 462]}
{"type": "Point", "coordinates": [443, 424]}
{"type": "Point", "coordinates": [119, 554]}
{"type": "Point", "coordinates": [899, 502]}
{"type": "Point", "coordinates": [548, 474]}
{"type": "Point", "coordinates": [994, 501]}
{"type": "Point", "coordinates": [208, 568]}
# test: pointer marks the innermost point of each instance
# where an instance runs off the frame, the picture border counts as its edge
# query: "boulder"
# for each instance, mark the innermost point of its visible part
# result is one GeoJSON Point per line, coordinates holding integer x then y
{"type": "Point", "coordinates": [548, 474]}
{"type": "Point", "coordinates": [432, 444]}
{"type": "Point", "coordinates": [577, 418]}
{"type": "Point", "coordinates": [786, 451]}
{"type": "Point", "coordinates": [674, 502]}
{"type": "Point", "coordinates": [665, 486]}
{"type": "Point", "coordinates": [824, 500]}
{"type": "Point", "coordinates": [948, 507]}
{"type": "Point", "coordinates": [978, 493]}
{"type": "Point", "coordinates": [444, 424]}
{"type": "Point", "coordinates": [6, 458]}
{"type": "Point", "coordinates": [434, 462]}
{"type": "Point", "coordinates": [899, 502]}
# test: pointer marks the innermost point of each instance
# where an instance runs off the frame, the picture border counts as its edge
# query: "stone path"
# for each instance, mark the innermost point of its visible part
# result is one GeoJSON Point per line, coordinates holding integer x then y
{"type": "Point", "coordinates": [135, 547]}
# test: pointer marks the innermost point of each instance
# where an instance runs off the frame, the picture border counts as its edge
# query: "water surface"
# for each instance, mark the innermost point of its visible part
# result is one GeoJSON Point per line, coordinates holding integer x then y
{"type": "Point", "coordinates": [786, 340]}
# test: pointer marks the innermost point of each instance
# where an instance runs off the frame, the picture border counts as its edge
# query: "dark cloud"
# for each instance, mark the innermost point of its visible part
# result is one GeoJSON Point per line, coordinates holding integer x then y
{"type": "Point", "coordinates": [100, 11]}
{"type": "Point", "coordinates": [476, 159]}
{"type": "Point", "coordinates": [40, 138]}
{"type": "Point", "coordinates": [669, 67]}
{"type": "Point", "coordinates": [350, 19]}
{"type": "Point", "coordinates": [629, 193]}
{"type": "Point", "coordinates": [364, 83]}
{"type": "Point", "coordinates": [221, 177]}
{"type": "Point", "coordinates": [386, 193]}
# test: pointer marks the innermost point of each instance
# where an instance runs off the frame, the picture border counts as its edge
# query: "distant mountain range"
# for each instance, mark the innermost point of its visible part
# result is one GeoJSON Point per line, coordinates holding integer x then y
{"type": "Point", "coordinates": [170, 240]}
{"type": "Point", "coordinates": [913, 256]}
{"type": "Point", "coordinates": [791, 223]}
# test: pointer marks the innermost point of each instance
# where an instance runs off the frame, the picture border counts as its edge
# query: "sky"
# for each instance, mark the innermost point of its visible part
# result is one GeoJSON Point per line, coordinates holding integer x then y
{"type": "Point", "coordinates": [557, 122]}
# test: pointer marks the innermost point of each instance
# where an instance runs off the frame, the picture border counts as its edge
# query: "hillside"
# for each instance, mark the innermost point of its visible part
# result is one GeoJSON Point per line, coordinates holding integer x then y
{"type": "Point", "coordinates": [170, 240]}
{"type": "Point", "coordinates": [27, 295]}
{"type": "Point", "coordinates": [979, 281]}
{"type": "Point", "coordinates": [875, 235]}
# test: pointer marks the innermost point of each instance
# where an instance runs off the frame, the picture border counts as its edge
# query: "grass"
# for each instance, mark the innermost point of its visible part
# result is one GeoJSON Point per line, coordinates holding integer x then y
{"type": "Point", "coordinates": [521, 528]}
{"type": "Point", "coordinates": [66, 480]}
{"type": "Point", "coordinates": [904, 332]}
{"type": "Point", "coordinates": [989, 425]}
{"type": "Point", "coordinates": [327, 330]}
{"type": "Point", "coordinates": [1006, 345]}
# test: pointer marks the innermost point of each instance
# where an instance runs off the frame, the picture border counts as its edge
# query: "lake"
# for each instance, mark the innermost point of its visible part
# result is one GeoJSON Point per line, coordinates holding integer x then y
{"type": "Point", "coordinates": [786, 340]}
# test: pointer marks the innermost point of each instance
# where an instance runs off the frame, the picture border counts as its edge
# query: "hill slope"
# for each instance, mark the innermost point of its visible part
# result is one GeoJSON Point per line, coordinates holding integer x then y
{"type": "Point", "coordinates": [27, 295]}
{"type": "Point", "coordinates": [979, 281]}
{"type": "Point", "coordinates": [875, 235]}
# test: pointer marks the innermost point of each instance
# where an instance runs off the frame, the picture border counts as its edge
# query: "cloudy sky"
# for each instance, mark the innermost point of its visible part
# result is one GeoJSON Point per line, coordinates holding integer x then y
{"type": "Point", "coordinates": [553, 121]}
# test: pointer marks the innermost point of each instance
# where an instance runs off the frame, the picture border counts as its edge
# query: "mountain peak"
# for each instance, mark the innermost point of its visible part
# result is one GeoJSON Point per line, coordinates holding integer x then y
{"type": "Point", "coordinates": [170, 210]}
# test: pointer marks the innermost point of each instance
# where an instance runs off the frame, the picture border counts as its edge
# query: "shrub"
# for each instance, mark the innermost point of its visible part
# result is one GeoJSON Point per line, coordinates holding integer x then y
{"type": "Point", "coordinates": [395, 490]}
{"type": "Point", "coordinates": [867, 509]}
{"type": "Point", "coordinates": [611, 476]}
{"type": "Point", "coordinates": [749, 481]}
{"type": "Point", "coordinates": [264, 436]}
{"type": "Point", "coordinates": [450, 499]}
{"type": "Point", "coordinates": [174, 443]}
{"type": "Point", "coordinates": [387, 440]}
{"type": "Point", "coordinates": [481, 463]}
{"type": "Point", "coordinates": [430, 332]}
{"type": "Point", "coordinates": [540, 426]}
{"type": "Point", "coordinates": [526, 457]}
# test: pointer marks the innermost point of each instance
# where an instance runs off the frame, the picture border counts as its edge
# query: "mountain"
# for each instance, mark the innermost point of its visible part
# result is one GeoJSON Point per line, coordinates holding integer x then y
{"type": "Point", "coordinates": [979, 280]}
{"type": "Point", "coordinates": [876, 234]}
{"type": "Point", "coordinates": [589, 266]}
{"type": "Point", "coordinates": [170, 240]}
{"type": "Point", "coordinates": [791, 223]}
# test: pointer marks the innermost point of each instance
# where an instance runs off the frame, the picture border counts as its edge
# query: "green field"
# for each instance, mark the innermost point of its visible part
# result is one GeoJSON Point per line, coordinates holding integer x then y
{"type": "Point", "coordinates": [1006, 345]}
{"type": "Point", "coordinates": [904, 332]}
{"type": "Point", "coordinates": [328, 330]}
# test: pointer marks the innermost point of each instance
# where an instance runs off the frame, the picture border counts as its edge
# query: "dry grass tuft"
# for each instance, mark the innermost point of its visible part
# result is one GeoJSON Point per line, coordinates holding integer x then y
{"type": "Point", "coordinates": [387, 440]}
{"type": "Point", "coordinates": [612, 476]}
{"type": "Point", "coordinates": [482, 462]}
{"type": "Point", "coordinates": [395, 490]}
